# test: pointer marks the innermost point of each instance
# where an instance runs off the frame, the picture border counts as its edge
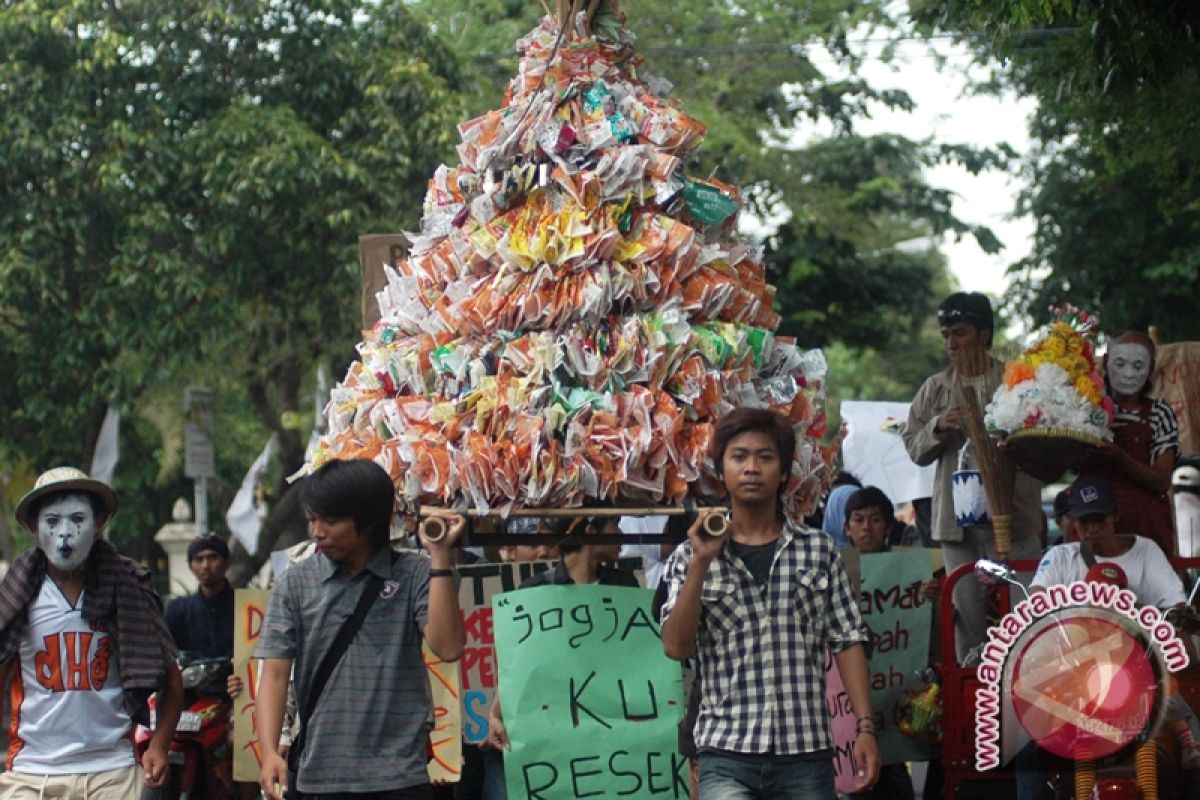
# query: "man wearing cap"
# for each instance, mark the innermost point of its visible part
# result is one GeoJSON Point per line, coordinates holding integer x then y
{"type": "Point", "coordinates": [202, 623]}
{"type": "Point", "coordinates": [82, 637]}
{"type": "Point", "coordinates": [1092, 506]}
{"type": "Point", "coordinates": [1102, 555]}
{"type": "Point", "coordinates": [935, 434]}
{"type": "Point", "coordinates": [1062, 519]}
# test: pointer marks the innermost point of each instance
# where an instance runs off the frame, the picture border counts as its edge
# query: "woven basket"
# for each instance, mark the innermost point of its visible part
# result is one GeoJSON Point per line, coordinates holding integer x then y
{"type": "Point", "coordinates": [1048, 453]}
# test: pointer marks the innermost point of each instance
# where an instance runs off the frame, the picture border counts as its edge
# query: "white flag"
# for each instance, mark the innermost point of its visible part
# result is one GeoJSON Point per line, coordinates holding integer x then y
{"type": "Point", "coordinates": [320, 423]}
{"type": "Point", "coordinates": [104, 457]}
{"type": "Point", "coordinates": [242, 516]}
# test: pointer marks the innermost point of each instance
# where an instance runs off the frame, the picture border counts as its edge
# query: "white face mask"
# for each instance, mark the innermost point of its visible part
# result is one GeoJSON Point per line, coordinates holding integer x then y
{"type": "Point", "coordinates": [1128, 368]}
{"type": "Point", "coordinates": [66, 531]}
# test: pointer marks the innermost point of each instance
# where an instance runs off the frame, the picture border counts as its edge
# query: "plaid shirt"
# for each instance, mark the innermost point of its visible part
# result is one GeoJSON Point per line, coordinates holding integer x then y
{"type": "Point", "coordinates": [761, 651]}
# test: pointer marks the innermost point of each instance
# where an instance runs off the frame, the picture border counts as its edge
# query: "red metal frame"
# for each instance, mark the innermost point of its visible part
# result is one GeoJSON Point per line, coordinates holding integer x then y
{"type": "Point", "coordinates": [959, 685]}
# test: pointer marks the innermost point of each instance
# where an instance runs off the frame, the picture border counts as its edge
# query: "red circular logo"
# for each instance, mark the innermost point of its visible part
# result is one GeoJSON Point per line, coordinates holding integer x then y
{"type": "Point", "coordinates": [1083, 686]}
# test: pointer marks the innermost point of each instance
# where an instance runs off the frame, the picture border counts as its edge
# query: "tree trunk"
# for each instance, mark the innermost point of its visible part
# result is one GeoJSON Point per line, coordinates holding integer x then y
{"type": "Point", "coordinates": [283, 527]}
{"type": "Point", "coordinates": [285, 524]}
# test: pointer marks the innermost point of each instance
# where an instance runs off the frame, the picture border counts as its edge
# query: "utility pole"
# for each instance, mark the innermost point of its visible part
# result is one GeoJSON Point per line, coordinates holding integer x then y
{"type": "Point", "coordinates": [199, 460]}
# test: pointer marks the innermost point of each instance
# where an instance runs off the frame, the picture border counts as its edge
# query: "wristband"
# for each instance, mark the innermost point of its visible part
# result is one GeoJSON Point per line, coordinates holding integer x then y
{"type": "Point", "coordinates": [441, 573]}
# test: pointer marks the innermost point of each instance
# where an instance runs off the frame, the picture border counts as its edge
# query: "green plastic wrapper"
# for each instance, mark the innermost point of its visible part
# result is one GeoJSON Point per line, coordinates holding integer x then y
{"type": "Point", "coordinates": [716, 349]}
{"type": "Point", "coordinates": [757, 339]}
{"type": "Point", "coordinates": [707, 204]}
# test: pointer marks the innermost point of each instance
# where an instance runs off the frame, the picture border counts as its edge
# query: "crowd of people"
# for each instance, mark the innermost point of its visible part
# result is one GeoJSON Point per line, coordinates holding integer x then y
{"type": "Point", "coordinates": [751, 612]}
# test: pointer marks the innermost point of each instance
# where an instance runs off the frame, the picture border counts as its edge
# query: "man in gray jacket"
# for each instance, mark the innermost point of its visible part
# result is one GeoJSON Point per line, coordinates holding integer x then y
{"type": "Point", "coordinates": [935, 433]}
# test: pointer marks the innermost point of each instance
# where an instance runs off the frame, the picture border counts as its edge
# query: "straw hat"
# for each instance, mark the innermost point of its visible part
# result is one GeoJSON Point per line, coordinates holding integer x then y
{"type": "Point", "coordinates": [64, 479]}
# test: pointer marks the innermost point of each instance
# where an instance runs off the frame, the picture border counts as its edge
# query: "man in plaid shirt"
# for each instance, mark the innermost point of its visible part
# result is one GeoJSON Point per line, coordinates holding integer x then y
{"type": "Point", "coordinates": [756, 608]}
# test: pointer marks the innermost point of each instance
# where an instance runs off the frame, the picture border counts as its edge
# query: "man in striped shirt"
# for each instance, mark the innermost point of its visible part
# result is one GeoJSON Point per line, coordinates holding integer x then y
{"type": "Point", "coordinates": [368, 730]}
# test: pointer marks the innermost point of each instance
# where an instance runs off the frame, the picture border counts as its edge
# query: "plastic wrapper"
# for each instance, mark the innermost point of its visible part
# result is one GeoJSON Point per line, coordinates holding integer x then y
{"type": "Point", "coordinates": [576, 313]}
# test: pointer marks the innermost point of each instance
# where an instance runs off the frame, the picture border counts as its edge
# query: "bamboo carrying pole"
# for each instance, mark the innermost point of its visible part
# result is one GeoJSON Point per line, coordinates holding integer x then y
{"type": "Point", "coordinates": [434, 528]}
{"type": "Point", "coordinates": [426, 512]}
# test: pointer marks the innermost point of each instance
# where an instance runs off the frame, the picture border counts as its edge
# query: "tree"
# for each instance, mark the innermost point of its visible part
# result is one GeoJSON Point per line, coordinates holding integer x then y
{"type": "Point", "coordinates": [1114, 176]}
{"type": "Point", "coordinates": [182, 191]}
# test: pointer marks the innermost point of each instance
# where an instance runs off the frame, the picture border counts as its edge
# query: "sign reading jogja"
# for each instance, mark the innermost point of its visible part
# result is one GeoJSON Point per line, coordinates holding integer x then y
{"type": "Point", "coordinates": [1083, 667]}
{"type": "Point", "coordinates": [477, 667]}
{"type": "Point", "coordinates": [591, 704]}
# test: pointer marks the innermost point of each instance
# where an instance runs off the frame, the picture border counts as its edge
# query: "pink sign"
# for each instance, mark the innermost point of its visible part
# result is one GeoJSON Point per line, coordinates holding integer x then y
{"type": "Point", "coordinates": [841, 718]}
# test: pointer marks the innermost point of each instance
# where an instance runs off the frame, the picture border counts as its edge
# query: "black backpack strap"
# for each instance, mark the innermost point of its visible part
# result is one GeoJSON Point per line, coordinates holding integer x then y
{"type": "Point", "coordinates": [345, 635]}
{"type": "Point", "coordinates": [1086, 554]}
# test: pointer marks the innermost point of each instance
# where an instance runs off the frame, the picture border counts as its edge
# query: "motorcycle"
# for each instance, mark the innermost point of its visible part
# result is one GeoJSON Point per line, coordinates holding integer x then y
{"type": "Point", "coordinates": [200, 755]}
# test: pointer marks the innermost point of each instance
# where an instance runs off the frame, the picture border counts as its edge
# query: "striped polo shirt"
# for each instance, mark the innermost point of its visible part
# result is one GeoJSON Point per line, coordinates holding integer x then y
{"type": "Point", "coordinates": [368, 733]}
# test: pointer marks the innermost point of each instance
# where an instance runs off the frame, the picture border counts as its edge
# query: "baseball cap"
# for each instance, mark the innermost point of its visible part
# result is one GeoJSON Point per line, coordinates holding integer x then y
{"type": "Point", "coordinates": [1091, 495]}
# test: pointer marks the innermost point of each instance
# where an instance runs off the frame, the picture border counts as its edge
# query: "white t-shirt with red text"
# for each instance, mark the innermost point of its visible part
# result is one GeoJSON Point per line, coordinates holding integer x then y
{"type": "Point", "coordinates": [68, 714]}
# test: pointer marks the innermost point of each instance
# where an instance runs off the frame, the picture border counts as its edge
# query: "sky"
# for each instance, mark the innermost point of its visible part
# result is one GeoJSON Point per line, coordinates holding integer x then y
{"type": "Point", "coordinates": [945, 112]}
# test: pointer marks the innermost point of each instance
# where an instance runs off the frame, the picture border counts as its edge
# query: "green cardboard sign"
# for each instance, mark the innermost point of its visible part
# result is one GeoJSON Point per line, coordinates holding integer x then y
{"type": "Point", "coordinates": [892, 604]}
{"type": "Point", "coordinates": [591, 704]}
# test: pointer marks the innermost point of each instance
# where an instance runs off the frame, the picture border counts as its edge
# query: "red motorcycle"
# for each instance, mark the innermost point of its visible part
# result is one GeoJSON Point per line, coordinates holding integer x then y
{"type": "Point", "coordinates": [200, 755]}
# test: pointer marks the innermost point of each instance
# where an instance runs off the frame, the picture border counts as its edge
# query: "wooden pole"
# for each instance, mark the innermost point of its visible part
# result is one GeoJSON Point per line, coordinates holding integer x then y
{"type": "Point", "coordinates": [583, 511]}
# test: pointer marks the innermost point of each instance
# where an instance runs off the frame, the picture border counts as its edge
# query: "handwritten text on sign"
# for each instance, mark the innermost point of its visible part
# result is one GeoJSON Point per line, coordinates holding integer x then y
{"type": "Point", "coordinates": [591, 704]}
{"type": "Point", "coordinates": [899, 616]}
{"type": "Point", "coordinates": [477, 667]}
{"type": "Point", "coordinates": [250, 606]}
{"type": "Point", "coordinates": [445, 740]}
{"type": "Point", "coordinates": [841, 723]}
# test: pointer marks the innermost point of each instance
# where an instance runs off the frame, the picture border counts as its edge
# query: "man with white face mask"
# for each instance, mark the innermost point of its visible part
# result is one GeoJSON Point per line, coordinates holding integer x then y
{"type": "Point", "coordinates": [1139, 461]}
{"type": "Point", "coordinates": [83, 639]}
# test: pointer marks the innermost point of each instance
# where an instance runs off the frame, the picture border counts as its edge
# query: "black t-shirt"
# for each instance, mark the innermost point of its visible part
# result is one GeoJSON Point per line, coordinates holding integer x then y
{"type": "Point", "coordinates": [558, 575]}
{"type": "Point", "coordinates": [756, 557]}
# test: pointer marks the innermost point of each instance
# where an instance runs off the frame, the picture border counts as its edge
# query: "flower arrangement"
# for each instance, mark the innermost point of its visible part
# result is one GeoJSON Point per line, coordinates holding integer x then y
{"type": "Point", "coordinates": [1055, 383]}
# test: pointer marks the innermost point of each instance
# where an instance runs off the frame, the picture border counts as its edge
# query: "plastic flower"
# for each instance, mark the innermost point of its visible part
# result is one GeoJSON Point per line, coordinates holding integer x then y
{"type": "Point", "coordinates": [1054, 383]}
{"type": "Point", "coordinates": [1017, 372]}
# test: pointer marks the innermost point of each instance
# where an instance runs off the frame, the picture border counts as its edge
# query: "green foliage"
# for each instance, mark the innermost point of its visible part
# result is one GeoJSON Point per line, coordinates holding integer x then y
{"type": "Point", "coordinates": [182, 191]}
{"type": "Point", "coordinates": [1115, 173]}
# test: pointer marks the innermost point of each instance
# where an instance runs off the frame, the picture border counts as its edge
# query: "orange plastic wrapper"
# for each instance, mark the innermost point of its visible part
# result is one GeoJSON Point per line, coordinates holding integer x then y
{"type": "Point", "coordinates": [563, 331]}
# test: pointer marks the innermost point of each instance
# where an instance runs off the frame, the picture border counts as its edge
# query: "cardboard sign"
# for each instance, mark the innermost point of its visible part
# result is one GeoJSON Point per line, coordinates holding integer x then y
{"type": "Point", "coordinates": [446, 739]}
{"type": "Point", "coordinates": [842, 723]}
{"type": "Point", "coordinates": [374, 251]}
{"type": "Point", "coordinates": [1177, 380]}
{"type": "Point", "coordinates": [900, 618]}
{"type": "Point", "coordinates": [591, 704]}
{"type": "Point", "coordinates": [874, 451]}
{"type": "Point", "coordinates": [249, 609]}
{"type": "Point", "coordinates": [477, 667]}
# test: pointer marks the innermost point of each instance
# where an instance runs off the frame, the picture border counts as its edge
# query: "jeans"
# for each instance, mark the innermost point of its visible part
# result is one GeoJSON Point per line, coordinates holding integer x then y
{"type": "Point", "coordinates": [423, 792]}
{"type": "Point", "coordinates": [728, 778]}
{"type": "Point", "coordinates": [494, 787]}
